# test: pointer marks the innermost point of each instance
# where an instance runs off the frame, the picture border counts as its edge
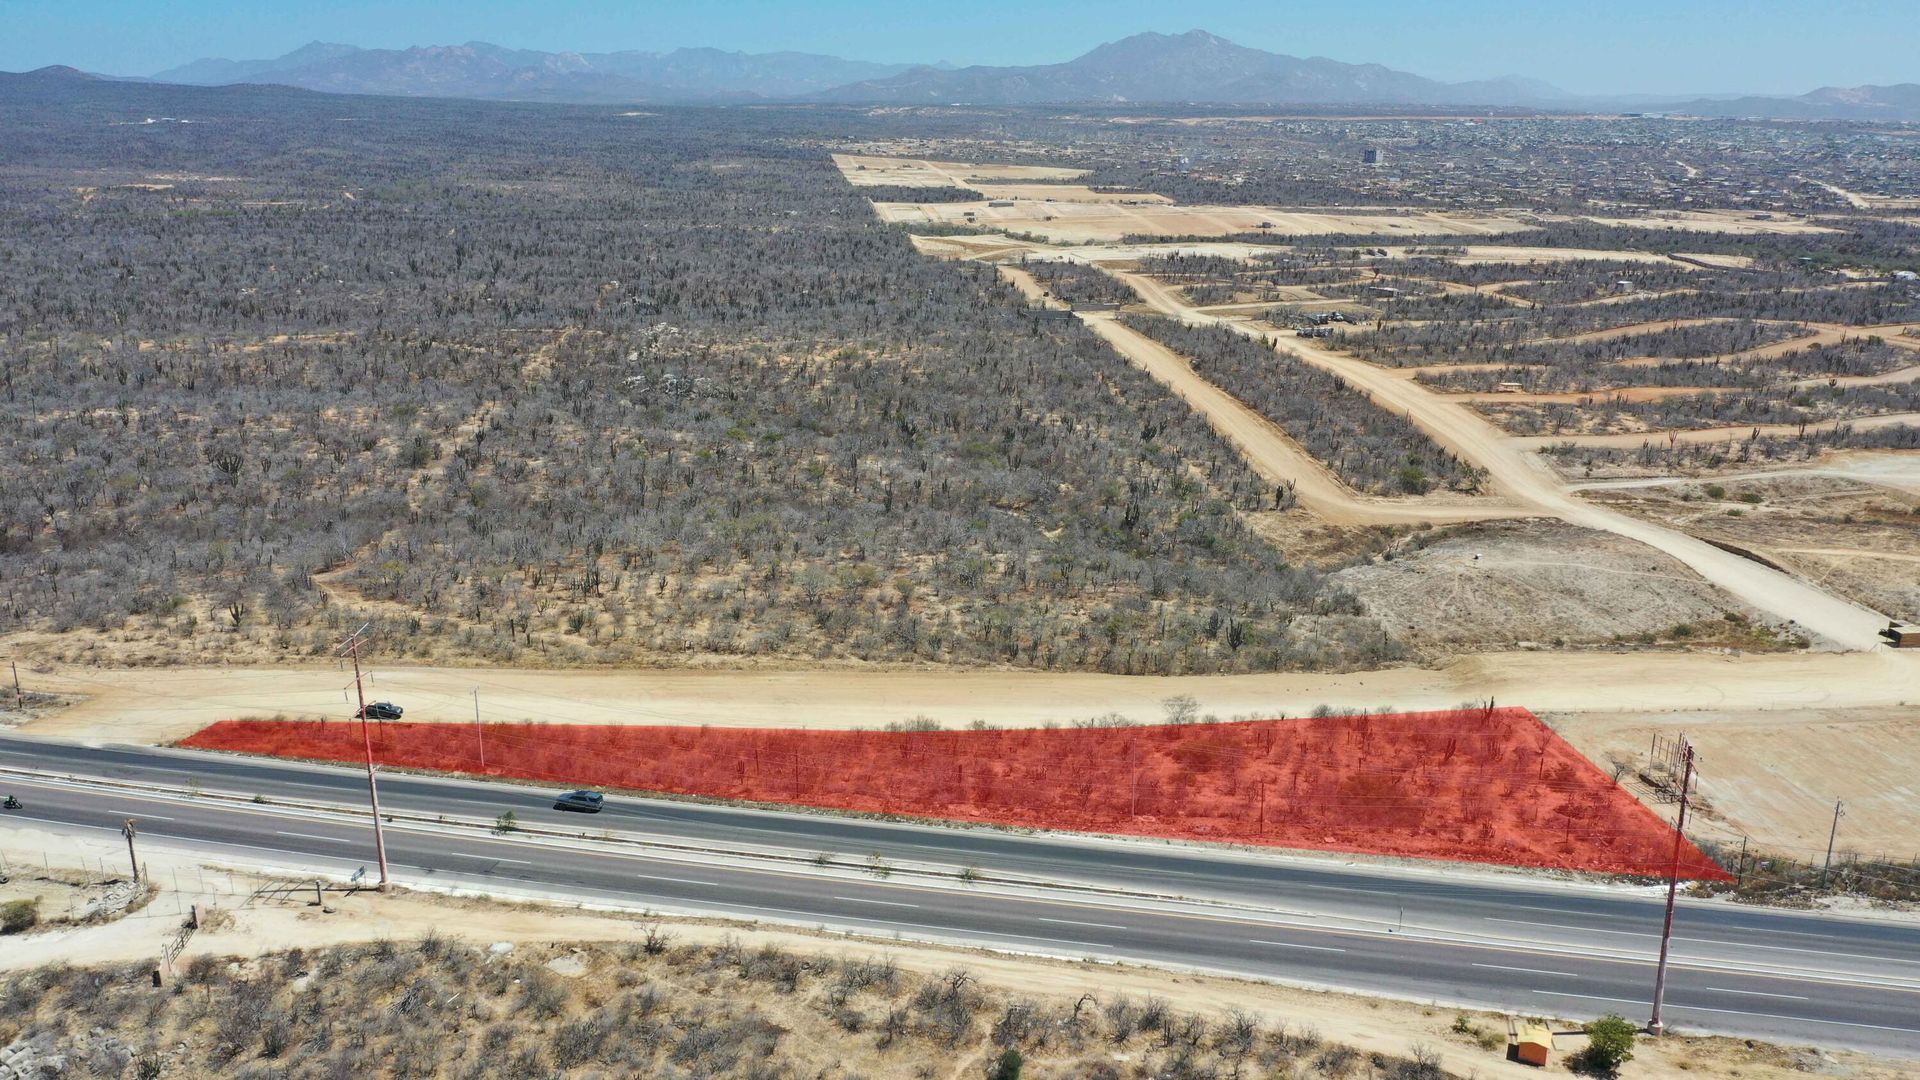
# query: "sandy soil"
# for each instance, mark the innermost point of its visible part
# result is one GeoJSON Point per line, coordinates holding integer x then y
{"type": "Point", "coordinates": [864, 170]}
{"type": "Point", "coordinates": [1717, 221]}
{"type": "Point", "coordinates": [1521, 478]}
{"type": "Point", "coordinates": [239, 929]}
{"type": "Point", "coordinates": [1500, 585]}
{"type": "Point", "coordinates": [1069, 222]}
{"type": "Point", "coordinates": [1852, 536]}
{"type": "Point", "coordinates": [1275, 456]}
{"type": "Point", "coordinates": [1634, 440]}
{"type": "Point", "coordinates": [157, 705]}
{"type": "Point", "coordinates": [1774, 776]}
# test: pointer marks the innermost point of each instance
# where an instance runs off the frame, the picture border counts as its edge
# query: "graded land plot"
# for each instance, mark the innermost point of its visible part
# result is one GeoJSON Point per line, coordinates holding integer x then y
{"type": "Point", "coordinates": [1855, 538]}
{"type": "Point", "coordinates": [1491, 785]}
{"type": "Point", "coordinates": [1737, 222]}
{"type": "Point", "coordinates": [866, 170]}
{"type": "Point", "coordinates": [1503, 585]}
{"type": "Point", "coordinates": [1085, 223]}
{"type": "Point", "coordinates": [1773, 776]}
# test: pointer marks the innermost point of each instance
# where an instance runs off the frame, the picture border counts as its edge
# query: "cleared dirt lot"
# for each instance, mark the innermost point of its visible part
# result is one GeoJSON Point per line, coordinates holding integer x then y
{"type": "Point", "coordinates": [1071, 222]}
{"type": "Point", "coordinates": [1500, 584]}
{"type": "Point", "coordinates": [864, 170]}
{"type": "Point", "coordinates": [1774, 776]}
{"type": "Point", "coordinates": [1717, 221]}
{"type": "Point", "coordinates": [1852, 537]}
{"type": "Point", "coordinates": [153, 705]}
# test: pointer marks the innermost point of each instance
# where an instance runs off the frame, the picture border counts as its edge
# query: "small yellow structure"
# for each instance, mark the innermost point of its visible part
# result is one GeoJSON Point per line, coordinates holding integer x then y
{"type": "Point", "coordinates": [1529, 1041]}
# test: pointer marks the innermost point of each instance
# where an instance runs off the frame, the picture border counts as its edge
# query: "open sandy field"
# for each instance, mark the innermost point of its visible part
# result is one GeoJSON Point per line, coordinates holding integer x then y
{"type": "Point", "coordinates": [1716, 221]}
{"type": "Point", "coordinates": [1774, 776]}
{"type": "Point", "coordinates": [1081, 223]}
{"type": "Point", "coordinates": [1854, 535]}
{"type": "Point", "coordinates": [1498, 585]}
{"type": "Point", "coordinates": [862, 170]}
{"type": "Point", "coordinates": [153, 705]}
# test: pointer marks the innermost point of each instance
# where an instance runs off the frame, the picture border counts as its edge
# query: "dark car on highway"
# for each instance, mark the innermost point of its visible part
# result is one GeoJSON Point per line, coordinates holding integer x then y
{"type": "Point", "coordinates": [586, 802]}
{"type": "Point", "coordinates": [383, 710]}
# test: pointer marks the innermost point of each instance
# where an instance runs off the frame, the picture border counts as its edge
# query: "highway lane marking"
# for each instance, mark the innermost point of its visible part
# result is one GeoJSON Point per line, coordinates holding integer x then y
{"type": "Point", "coordinates": [679, 880]}
{"type": "Point", "coordinates": [943, 929]}
{"type": "Point", "coordinates": [310, 836]}
{"type": "Point", "coordinates": [1530, 971]}
{"type": "Point", "coordinates": [1732, 1012]}
{"type": "Point", "coordinates": [1757, 993]}
{"type": "Point", "coordinates": [1591, 997]}
{"type": "Point", "coordinates": [883, 903]}
{"type": "Point", "coordinates": [1794, 948]}
{"type": "Point", "coordinates": [1291, 945]}
{"type": "Point", "coordinates": [1559, 911]}
{"type": "Point", "coordinates": [1076, 922]}
{"type": "Point", "coordinates": [488, 858]}
{"type": "Point", "coordinates": [1564, 926]}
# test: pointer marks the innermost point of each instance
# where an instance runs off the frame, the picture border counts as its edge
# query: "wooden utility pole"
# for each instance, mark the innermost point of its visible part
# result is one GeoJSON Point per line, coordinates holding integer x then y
{"type": "Point", "coordinates": [1655, 1025]}
{"type": "Point", "coordinates": [478, 731]}
{"type": "Point", "coordinates": [19, 695]}
{"type": "Point", "coordinates": [1839, 811]}
{"type": "Point", "coordinates": [134, 860]}
{"type": "Point", "coordinates": [352, 647]}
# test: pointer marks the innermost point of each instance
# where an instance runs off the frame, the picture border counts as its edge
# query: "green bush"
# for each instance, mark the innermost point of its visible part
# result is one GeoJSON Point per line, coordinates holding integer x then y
{"type": "Point", "coordinates": [1609, 1046]}
{"type": "Point", "coordinates": [18, 915]}
{"type": "Point", "coordinates": [1008, 1066]}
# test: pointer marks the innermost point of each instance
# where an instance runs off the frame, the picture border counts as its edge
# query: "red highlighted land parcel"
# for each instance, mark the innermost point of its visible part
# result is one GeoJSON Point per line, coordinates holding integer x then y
{"type": "Point", "coordinates": [1479, 785]}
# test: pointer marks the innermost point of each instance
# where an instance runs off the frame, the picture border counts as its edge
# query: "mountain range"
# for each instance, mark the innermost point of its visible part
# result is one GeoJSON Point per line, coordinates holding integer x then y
{"type": "Point", "coordinates": [480, 70]}
{"type": "Point", "coordinates": [1191, 68]}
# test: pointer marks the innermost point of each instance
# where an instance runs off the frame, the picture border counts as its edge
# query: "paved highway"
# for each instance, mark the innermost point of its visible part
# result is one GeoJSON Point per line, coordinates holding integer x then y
{"type": "Point", "coordinates": [1486, 939]}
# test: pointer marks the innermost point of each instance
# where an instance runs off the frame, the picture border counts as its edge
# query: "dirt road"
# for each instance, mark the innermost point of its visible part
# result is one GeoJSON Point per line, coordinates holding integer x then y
{"type": "Point", "coordinates": [156, 705]}
{"type": "Point", "coordinates": [1275, 456]}
{"type": "Point", "coordinates": [1522, 479]}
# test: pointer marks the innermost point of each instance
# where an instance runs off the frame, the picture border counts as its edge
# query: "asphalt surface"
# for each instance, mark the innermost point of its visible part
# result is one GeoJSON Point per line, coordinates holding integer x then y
{"type": "Point", "coordinates": [1471, 938]}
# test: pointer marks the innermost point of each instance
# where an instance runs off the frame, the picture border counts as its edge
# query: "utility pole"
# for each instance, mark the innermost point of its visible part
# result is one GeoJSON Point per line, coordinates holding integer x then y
{"type": "Point", "coordinates": [127, 831]}
{"type": "Point", "coordinates": [19, 695]}
{"type": "Point", "coordinates": [479, 731]}
{"type": "Point", "coordinates": [1655, 1025]}
{"type": "Point", "coordinates": [352, 647]}
{"type": "Point", "coordinates": [1838, 812]}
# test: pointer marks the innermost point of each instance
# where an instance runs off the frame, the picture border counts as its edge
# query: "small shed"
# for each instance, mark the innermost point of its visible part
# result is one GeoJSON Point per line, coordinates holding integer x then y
{"type": "Point", "coordinates": [1529, 1041]}
{"type": "Point", "coordinates": [1902, 635]}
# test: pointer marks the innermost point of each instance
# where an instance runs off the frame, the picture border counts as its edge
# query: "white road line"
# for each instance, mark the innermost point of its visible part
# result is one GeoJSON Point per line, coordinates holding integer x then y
{"type": "Point", "coordinates": [310, 836]}
{"type": "Point", "coordinates": [490, 858]}
{"type": "Point", "coordinates": [1076, 922]}
{"type": "Point", "coordinates": [1564, 926]}
{"type": "Point", "coordinates": [689, 881]}
{"type": "Point", "coordinates": [1594, 997]}
{"type": "Point", "coordinates": [1530, 971]}
{"type": "Point", "coordinates": [1291, 945]}
{"type": "Point", "coordinates": [1797, 948]}
{"type": "Point", "coordinates": [882, 903]}
{"type": "Point", "coordinates": [138, 817]}
{"type": "Point", "coordinates": [1559, 911]}
{"type": "Point", "coordinates": [1756, 993]}
{"type": "Point", "coordinates": [1799, 1019]}
{"type": "Point", "coordinates": [942, 929]}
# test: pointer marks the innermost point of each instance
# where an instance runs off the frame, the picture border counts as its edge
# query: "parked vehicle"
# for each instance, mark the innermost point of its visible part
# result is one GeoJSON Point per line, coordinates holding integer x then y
{"type": "Point", "coordinates": [585, 802]}
{"type": "Point", "coordinates": [383, 710]}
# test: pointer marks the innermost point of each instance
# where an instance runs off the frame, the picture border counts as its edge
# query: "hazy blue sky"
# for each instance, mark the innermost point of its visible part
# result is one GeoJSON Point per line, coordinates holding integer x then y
{"type": "Point", "coordinates": [1626, 46]}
